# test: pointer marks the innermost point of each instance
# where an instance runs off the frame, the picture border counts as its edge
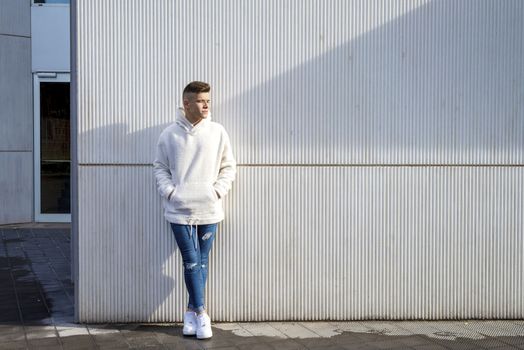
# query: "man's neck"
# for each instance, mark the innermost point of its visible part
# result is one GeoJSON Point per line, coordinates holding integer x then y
{"type": "Point", "coordinates": [193, 120]}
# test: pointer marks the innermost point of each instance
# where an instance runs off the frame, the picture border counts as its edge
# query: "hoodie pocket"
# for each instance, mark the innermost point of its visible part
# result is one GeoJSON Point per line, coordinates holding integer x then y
{"type": "Point", "coordinates": [194, 196]}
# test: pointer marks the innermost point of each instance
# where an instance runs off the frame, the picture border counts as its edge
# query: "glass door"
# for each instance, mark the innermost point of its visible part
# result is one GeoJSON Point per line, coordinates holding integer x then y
{"type": "Point", "coordinates": [52, 147]}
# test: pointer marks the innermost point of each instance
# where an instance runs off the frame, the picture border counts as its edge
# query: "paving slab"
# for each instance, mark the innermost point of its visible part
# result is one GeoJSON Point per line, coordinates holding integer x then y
{"type": "Point", "coordinates": [262, 329]}
{"type": "Point", "coordinates": [78, 342]}
{"type": "Point", "coordinates": [13, 345]}
{"type": "Point", "coordinates": [321, 329]}
{"type": "Point", "coordinates": [46, 343]}
{"type": "Point", "coordinates": [293, 330]}
{"type": "Point", "coordinates": [12, 337]}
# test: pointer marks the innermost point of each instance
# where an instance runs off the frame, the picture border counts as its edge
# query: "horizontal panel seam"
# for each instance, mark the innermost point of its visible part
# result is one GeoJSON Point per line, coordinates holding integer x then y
{"type": "Point", "coordinates": [328, 165]}
{"type": "Point", "coordinates": [16, 36]}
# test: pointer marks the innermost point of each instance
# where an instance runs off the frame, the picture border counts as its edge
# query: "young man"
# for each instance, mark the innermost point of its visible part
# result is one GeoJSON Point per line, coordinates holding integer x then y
{"type": "Point", "coordinates": [194, 169]}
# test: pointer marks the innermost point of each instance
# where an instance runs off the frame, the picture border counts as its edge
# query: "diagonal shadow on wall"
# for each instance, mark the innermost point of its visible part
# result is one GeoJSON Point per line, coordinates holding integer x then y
{"type": "Point", "coordinates": [442, 84]}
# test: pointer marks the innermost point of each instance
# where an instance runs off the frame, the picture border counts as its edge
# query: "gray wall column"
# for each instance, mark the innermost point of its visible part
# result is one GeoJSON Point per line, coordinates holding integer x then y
{"type": "Point", "coordinates": [16, 117]}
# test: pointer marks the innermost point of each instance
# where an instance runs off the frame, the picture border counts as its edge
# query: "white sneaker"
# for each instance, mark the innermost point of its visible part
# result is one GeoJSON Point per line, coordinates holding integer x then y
{"type": "Point", "coordinates": [204, 327]}
{"type": "Point", "coordinates": [190, 323]}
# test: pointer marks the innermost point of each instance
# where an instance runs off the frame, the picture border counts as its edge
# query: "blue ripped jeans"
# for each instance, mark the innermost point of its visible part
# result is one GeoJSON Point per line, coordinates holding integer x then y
{"type": "Point", "coordinates": [194, 242]}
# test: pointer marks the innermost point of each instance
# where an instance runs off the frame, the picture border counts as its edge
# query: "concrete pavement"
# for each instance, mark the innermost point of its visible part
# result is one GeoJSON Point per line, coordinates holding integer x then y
{"type": "Point", "coordinates": [36, 312]}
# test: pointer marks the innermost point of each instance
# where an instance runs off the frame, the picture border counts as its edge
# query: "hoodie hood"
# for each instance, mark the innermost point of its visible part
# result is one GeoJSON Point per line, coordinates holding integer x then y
{"type": "Point", "coordinates": [185, 125]}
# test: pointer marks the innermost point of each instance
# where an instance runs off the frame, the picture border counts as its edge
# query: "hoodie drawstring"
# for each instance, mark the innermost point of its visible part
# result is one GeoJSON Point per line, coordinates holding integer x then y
{"type": "Point", "coordinates": [186, 125]}
{"type": "Point", "coordinates": [193, 237]}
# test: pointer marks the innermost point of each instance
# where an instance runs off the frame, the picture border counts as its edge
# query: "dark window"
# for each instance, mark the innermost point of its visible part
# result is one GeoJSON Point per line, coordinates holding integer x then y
{"type": "Point", "coordinates": [55, 159]}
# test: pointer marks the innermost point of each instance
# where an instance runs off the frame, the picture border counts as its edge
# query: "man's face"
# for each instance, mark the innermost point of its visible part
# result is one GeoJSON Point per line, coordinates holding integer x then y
{"type": "Point", "coordinates": [197, 105]}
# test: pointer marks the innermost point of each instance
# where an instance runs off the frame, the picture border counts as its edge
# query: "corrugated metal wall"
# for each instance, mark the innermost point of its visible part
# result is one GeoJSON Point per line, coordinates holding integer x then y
{"type": "Point", "coordinates": [380, 148]}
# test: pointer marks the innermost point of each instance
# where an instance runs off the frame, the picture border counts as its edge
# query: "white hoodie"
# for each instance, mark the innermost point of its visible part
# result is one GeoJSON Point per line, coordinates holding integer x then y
{"type": "Point", "coordinates": [197, 163]}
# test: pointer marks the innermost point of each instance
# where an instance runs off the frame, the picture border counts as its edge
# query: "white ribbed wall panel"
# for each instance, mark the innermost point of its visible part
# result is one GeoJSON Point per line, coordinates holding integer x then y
{"type": "Point", "coordinates": [126, 256]}
{"type": "Point", "coordinates": [307, 82]}
{"type": "Point", "coordinates": [328, 106]}
{"type": "Point", "coordinates": [312, 243]}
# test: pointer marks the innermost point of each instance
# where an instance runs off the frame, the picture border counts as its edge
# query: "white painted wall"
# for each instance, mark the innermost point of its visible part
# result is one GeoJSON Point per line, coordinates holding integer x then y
{"type": "Point", "coordinates": [380, 148]}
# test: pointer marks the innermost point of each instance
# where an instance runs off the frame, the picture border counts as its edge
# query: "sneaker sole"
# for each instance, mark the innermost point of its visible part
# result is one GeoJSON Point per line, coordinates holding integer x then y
{"type": "Point", "coordinates": [189, 334]}
{"type": "Point", "coordinates": [201, 337]}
